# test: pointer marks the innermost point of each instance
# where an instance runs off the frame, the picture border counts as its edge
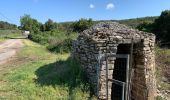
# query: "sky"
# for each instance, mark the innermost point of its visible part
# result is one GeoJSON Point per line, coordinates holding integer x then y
{"type": "Point", "coordinates": [72, 10]}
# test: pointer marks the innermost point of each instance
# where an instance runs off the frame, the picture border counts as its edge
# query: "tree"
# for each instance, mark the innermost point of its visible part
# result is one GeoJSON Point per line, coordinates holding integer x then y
{"type": "Point", "coordinates": [26, 22]}
{"type": "Point", "coordinates": [82, 24]}
{"type": "Point", "coordinates": [49, 25]}
{"type": "Point", "coordinates": [145, 26]}
{"type": "Point", "coordinates": [6, 25]}
{"type": "Point", "coordinates": [162, 26]}
{"type": "Point", "coordinates": [42, 28]}
{"type": "Point", "coordinates": [30, 24]}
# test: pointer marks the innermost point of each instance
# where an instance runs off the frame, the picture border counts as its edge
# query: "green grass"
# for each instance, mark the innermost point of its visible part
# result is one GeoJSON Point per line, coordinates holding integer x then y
{"type": "Point", "coordinates": [5, 34]}
{"type": "Point", "coordinates": [39, 75]}
{"type": "Point", "coordinates": [159, 98]}
{"type": "Point", "coordinates": [2, 39]}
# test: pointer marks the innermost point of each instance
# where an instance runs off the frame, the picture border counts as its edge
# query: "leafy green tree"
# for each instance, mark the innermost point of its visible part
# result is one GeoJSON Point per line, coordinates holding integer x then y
{"type": "Point", "coordinates": [26, 22]}
{"type": "Point", "coordinates": [162, 26]}
{"type": "Point", "coordinates": [50, 25]}
{"type": "Point", "coordinates": [30, 24]}
{"type": "Point", "coordinates": [36, 25]}
{"type": "Point", "coordinates": [42, 28]}
{"type": "Point", "coordinates": [145, 26]}
{"type": "Point", "coordinates": [6, 25]}
{"type": "Point", "coordinates": [82, 24]}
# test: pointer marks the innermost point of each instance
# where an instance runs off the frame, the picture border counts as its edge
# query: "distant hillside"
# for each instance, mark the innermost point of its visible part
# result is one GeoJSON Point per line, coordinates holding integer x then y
{"type": "Point", "coordinates": [134, 22]}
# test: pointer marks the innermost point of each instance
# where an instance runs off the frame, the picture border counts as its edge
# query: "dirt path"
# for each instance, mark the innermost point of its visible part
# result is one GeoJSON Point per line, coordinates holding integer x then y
{"type": "Point", "coordinates": [8, 49]}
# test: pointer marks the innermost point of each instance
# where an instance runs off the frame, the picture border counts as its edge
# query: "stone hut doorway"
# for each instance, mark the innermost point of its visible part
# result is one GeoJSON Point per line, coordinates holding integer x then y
{"type": "Point", "coordinates": [121, 73]}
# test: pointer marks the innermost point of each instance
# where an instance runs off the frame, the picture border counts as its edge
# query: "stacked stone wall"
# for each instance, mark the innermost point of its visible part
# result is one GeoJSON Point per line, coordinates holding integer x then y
{"type": "Point", "coordinates": [104, 39]}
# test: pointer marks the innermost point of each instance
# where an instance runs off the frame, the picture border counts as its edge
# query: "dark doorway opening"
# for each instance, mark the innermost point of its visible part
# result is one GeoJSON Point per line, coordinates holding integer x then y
{"type": "Point", "coordinates": [119, 72]}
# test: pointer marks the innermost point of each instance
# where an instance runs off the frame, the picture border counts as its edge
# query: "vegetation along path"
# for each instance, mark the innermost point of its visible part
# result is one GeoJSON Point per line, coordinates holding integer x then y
{"type": "Point", "coordinates": [34, 73]}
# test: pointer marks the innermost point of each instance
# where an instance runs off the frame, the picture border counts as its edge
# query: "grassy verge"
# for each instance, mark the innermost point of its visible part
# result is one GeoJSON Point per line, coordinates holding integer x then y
{"type": "Point", "coordinates": [163, 68]}
{"type": "Point", "coordinates": [2, 39]}
{"type": "Point", "coordinates": [36, 74]}
{"type": "Point", "coordinates": [5, 34]}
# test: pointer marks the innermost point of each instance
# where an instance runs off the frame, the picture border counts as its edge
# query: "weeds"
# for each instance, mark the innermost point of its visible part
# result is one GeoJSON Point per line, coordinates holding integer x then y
{"type": "Point", "coordinates": [43, 76]}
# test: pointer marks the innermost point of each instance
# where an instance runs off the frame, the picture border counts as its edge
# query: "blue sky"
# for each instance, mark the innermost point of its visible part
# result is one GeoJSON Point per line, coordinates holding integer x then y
{"type": "Point", "coordinates": [71, 10]}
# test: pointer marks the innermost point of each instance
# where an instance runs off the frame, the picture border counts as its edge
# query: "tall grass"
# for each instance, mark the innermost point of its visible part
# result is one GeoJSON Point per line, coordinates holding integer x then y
{"type": "Point", "coordinates": [42, 76]}
{"type": "Point", "coordinates": [163, 68]}
{"type": "Point", "coordinates": [10, 33]}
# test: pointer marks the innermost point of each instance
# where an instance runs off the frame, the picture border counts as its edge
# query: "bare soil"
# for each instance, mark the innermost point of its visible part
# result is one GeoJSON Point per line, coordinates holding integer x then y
{"type": "Point", "coordinates": [8, 49]}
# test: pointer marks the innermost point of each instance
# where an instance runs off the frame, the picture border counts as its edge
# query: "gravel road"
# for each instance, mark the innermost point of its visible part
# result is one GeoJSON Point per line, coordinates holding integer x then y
{"type": "Point", "coordinates": [8, 49]}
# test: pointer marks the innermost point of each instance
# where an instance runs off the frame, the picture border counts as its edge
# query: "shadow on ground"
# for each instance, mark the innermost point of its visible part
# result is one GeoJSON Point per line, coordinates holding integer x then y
{"type": "Point", "coordinates": [67, 73]}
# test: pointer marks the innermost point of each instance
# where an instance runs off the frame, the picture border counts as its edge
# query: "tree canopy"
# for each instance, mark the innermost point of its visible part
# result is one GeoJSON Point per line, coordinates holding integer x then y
{"type": "Point", "coordinates": [145, 26]}
{"type": "Point", "coordinates": [6, 26]}
{"type": "Point", "coordinates": [82, 24]}
{"type": "Point", "coordinates": [29, 24]}
{"type": "Point", "coordinates": [50, 25]}
{"type": "Point", "coordinates": [161, 26]}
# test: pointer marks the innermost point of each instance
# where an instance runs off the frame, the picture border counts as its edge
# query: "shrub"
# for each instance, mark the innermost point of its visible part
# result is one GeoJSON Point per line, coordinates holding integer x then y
{"type": "Point", "coordinates": [39, 37]}
{"type": "Point", "coordinates": [60, 46]}
{"type": "Point", "coordinates": [145, 26]}
{"type": "Point", "coordinates": [82, 24]}
{"type": "Point", "coordinates": [159, 98]}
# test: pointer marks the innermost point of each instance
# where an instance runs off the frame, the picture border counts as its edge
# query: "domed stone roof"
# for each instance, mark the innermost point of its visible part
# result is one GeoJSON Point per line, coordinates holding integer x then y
{"type": "Point", "coordinates": [106, 30]}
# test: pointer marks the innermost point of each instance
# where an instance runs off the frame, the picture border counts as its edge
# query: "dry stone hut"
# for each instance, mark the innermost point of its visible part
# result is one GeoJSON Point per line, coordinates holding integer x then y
{"type": "Point", "coordinates": [118, 61]}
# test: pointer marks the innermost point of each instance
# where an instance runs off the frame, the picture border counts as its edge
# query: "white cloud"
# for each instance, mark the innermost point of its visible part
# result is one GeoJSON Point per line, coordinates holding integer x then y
{"type": "Point", "coordinates": [92, 6]}
{"type": "Point", "coordinates": [110, 6]}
